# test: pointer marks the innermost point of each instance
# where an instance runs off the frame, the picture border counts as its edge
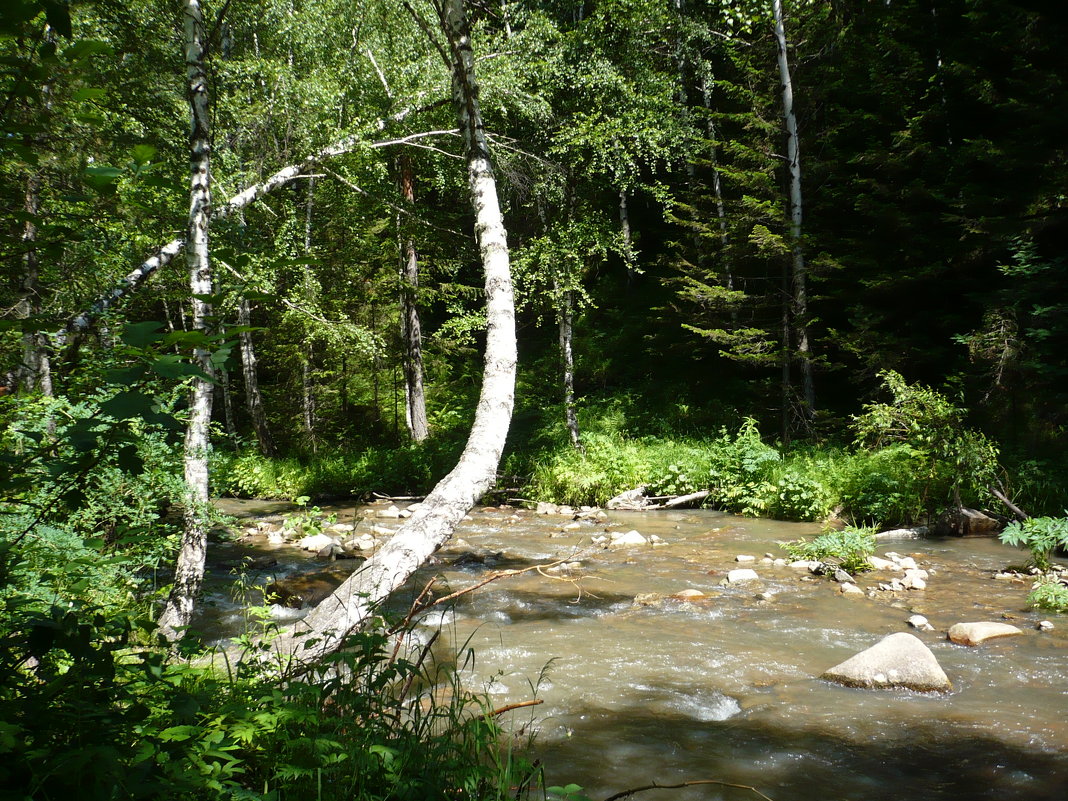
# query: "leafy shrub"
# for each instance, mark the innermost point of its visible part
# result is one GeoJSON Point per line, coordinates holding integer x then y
{"type": "Point", "coordinates": [884, 486]}
{"type": "Point", "coordinates": [848, 548]}
{"type": "Point", "coordinates": [85, 714]}
{"type": "Point", "coordinates": [955, 463]}
{"type": "Point", "coordinates": [802, 497]}
{"type": "Point", "coordinates": [1040, 535]}
{"type": "Point", "coordinates": [1049, 593]}
{"type": "Point", "coordinates": [742, 471]}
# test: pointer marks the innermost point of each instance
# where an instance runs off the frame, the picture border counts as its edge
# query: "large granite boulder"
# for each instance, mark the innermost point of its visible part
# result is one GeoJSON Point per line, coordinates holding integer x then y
{"type": "Point", "coordinates": [900, 660]}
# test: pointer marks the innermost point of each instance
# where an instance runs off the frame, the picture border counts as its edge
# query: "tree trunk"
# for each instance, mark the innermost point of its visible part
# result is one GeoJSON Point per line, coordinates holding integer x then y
{"type": "Point", "coordinates": [568, 362]}
{"type": "Point", "coordinates": [624, 225]}
{"type": "Point", "coordinates": [800, 292]}
{"type": "Point", "coordinates": [411, 331]}
{"type": "Point", "coordinates": [253, 398]}
{"type": "Point", "coordinates": [432, 525]}
{"type": "Point", "coordinates": [189, 571]}
{"type": "Point", "coordinates": [36, 361]}
{"type": "Point", "coordinates": [135, 279]}
{"type": "Point", "coordinates": [308, 362]}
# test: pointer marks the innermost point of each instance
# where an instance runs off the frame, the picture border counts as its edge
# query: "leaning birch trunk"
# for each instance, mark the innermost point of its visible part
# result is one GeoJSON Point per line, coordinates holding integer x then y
{"type": "Point", "coordinates": [800, 292]}
{"type": "Point", "coordinates": [189, 571]}
{"type": "Point", "coordinates": [567, 358]}
{"type": "Point", "coordinates": [432, 525]}
{"type": "Point", "coordinates": [253, 398]}
{"type": "Point", "coordinates": [246, 197]}
{"type": "Point", "coordinates": [411, 330]}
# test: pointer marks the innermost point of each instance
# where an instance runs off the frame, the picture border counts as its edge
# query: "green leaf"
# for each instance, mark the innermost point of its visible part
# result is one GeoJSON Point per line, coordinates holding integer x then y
{"type": "Point", "coordinates": [89, 93]}
{"type": "Point", "coordinates": [176, 367]}
{"type": "Point", "coordinates": [127, 404]}
{"type": "Point", "coordinates": [139, 335]}
{"type": "Point", "coordinates": [142, 154]}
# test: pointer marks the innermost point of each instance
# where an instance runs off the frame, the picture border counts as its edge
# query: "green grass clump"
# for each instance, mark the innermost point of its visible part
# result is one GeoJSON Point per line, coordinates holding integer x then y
{"type": "Point", "coordinates": [848, 548]}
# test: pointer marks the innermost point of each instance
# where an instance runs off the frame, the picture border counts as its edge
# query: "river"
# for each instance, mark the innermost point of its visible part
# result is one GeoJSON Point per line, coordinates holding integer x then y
{"type": "Point", "coordinates": [726, 687]}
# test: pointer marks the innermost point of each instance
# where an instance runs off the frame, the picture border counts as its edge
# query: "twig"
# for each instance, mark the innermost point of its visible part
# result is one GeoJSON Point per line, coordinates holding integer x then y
{"type": "Point", "coordinates": [510, 707]}
{"type": "Point", "coordinates": [694, 783]}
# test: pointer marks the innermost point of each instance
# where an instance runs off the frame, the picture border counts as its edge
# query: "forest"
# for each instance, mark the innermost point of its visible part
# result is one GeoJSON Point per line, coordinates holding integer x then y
{"type": "Point", "coordinates": [805, 259]}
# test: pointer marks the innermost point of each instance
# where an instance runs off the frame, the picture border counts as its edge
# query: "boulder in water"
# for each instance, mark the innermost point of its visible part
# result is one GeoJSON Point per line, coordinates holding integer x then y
{"type": "Point", "coordinates": [976, 633]}
{"type": "Point", "coordinates": [899, 660]}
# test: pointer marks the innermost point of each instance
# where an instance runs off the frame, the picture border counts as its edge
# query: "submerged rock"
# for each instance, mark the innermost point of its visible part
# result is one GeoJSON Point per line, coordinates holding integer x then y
{"type": "Point", "coordinates": [980, 632]}
{"type": "Point", "coordinates": [306, 590]}
{"type": "Point", "coordinates": [899, 660]}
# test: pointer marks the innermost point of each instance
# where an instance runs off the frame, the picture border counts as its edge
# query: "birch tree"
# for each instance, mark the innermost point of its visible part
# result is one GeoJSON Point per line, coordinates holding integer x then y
{"type": "Point", "coordinates": [799, 277]}
{"type": "Point", "coordinates": [189, 571]}
{"type": "Point", "coordinates": [433, 523]}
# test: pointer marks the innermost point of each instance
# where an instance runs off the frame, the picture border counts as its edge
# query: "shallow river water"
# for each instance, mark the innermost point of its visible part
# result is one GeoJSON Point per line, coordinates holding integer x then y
{"type": "Point", "coordinates": [727, 687]}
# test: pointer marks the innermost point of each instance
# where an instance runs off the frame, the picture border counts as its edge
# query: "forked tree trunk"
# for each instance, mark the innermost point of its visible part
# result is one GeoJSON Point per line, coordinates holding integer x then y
{"type": "Point", "coordinates": [189, 571]}
{"type": "Point", "coordinates": [432, 525]}
{"type": "Point", "coordinates": [411, 331]}
{"type": "Point", "coordinates": [800, 292]}
{"type": "Point", "coordinates": [253, 398]}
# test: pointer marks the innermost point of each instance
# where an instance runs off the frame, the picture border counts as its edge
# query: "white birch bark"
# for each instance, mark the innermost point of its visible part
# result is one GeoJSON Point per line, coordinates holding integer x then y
{"type": "Point", "coordinates": [234, 204]}
{"type": "Point", "coordinates": [567, 358]}
{"type": "Point", "coordinates": [189, 570]}
{"type": "Point", "coordinates": [793, 155]}
{"type": "Point", "coordinates": [411, 329]}
{"type": "Point", "coordinates": [432, 525]}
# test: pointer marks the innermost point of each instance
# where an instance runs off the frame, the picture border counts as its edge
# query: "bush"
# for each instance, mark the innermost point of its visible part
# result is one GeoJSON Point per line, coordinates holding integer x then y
{"type": "Point", "coordinates": [848, 548]}
{"type": "Point", "coordinates": [1049, 593]}
{"type": "Point", "coordinates": [1040, 535]}
{"type": "Point", "coordinates": [86, 714]}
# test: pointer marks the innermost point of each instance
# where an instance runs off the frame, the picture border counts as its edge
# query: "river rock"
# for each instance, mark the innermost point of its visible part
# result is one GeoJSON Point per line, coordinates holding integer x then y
{"type": "Point", "coordinates": [688, 594]}
{"type": "Point", "coordinates": [848, 588]}
{"type": "Point", "coordinates": [899, 660]}
{"type": "Point", "coordinates": [914, 533]}
{"type": "Point", "coordinates": [362, 542]}
{"type": "Point", "coordinates": [571, 527]}
{"type": "Point", "coordinates": [980, 632]}
{"type": "Point", "coordinates": [878, 563]}
{"type": "Point", "coordinates": [316, 542]}
{"type": "Point", "coordinates": [913, 580]}
{"type": "Point", "coordinates": [742, 574]}
{"type": "Point", "coordinates": [920, 622]}
{"type": "Point", "coordinates": [967, 523]}
{"type": "Point", "coordinates": [842, 577]}
{"type": "Point", "coordinates": [744, 557]}
{"type": "Point", "coordinates": [1045, 625]}
{"type": "Point", "coordinates": [623, 540]}
{"type": "Point", "coordinates": [390, 512]}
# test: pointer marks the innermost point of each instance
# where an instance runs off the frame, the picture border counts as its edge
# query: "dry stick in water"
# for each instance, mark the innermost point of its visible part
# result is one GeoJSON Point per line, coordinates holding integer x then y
{"type": "Point", "coordinates": [694, 783]}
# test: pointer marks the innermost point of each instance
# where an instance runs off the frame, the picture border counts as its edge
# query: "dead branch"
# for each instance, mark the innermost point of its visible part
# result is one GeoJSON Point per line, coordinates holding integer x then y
{"type": "Point", "coordinates": [694, 783]}
{"type": "Point", "coordinates": [1016, 510]}
{"type": "Point", "coordinates": [510, 707]}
